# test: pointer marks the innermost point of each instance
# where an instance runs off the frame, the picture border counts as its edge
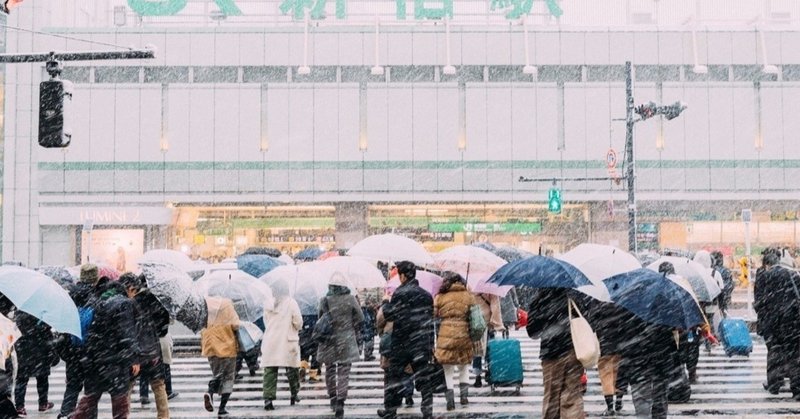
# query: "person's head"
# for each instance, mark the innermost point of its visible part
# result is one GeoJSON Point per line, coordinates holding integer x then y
{"type": "Point", "coordinates": [449, 279]}
{"type": "Point", "coordinates": [279, 289]}
{"type": "Point", "coordinates": [407, 271]}
{"type": "Point", "coordinates": [770, 256]}
{"type": "Point", "coordinates": [339, 284]}
{"type": "Point", "coordinates": [717, 259]}
{"type": "Point", "coordinates": [666, 268]}
{"type": "Point", "coordinates": [132, 283]}
{"type": "Point", "coordinates": [108, 288]}
{"type": "Point", "coordinates": [90, 274]}
{"type": "Point", "coordinates": [704, 258]}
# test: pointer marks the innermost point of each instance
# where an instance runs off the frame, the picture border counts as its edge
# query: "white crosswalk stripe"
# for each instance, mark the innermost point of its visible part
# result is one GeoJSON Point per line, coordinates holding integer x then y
{"type": "Point", "coordinates": [726, 387]}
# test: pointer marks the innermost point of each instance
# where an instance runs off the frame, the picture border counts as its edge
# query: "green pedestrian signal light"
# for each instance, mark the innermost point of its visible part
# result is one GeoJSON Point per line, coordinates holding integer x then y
{"type": "Point", "coordinates": [554, 201]}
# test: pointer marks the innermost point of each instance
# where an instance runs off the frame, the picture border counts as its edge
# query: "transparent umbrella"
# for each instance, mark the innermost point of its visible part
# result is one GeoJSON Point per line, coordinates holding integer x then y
{"type": "Point", "coordinates": [359, 273]}
{"type": "Point", "coordinates": [391, 248]}
{"type": "Point", "coordinates": [599, 262]}
{"type": "Point", "coordinates": [476, 265]}
{"type": "Point", "coordinates": [307, 285]}
{"type": "Point", "coordinates": [175, 291]}
{"type": "Point", "coordinates": [249, 295]}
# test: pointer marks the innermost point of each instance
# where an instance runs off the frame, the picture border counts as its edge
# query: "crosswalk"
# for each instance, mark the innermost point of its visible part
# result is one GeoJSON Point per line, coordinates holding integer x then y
{"type": "Point", "coordinates": [726, 387]}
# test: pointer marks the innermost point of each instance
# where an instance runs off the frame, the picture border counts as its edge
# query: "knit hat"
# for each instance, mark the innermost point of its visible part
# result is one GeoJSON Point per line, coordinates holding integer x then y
{"type": "Point", "coordinates": [89, 274]}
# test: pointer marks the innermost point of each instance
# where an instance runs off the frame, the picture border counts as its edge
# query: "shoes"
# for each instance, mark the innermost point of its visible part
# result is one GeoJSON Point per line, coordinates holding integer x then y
{"type": "Point", "coordinates": [208, 402]}
{"type": "Point", "coordinates": [618, 404]}
{"type": "Point", "coordinates": [252, 372]}
{"type": "Point", "coordinates": [609, 412]}
{"type": "Point", "coordinates": [268, 405]}
{"type": "Point", "coordinates": [238, 377]}
{"type": "Point", "coordinates": [222, 412]}
{"type": "Point", "coordinates": [22, 413]}
{"type": "Point", "coordinates": [770, 390]}
{"type": "Point", "coordinates": [478, 382]}
{"type": "Point", "coordinates": [333, 404]}
{"type": "Point", "coordinates": [172, 395]}
{"type": "Point", "coordinates": [409, 401]}
{"type": "Point", "coordinates": [294, 400]}
{"type": "Point", "coordinates": [369, 358]}
{"type": "Point", "coordinates": [45, 407]}
{"type": "Point", "coordinates": [451, 400]}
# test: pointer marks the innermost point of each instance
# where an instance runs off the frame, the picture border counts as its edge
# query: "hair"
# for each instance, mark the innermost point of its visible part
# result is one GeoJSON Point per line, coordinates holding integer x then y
{"type": "Point", "coordinates": [666, 268]}
{"type": "Point", "coordinates": [130, 280]}
{"type": "Point", "coordinates": [770, 256]}
{"type": "Point", "coordinates": [408, 269]}
{"type": "Point", "coordinates": [450, 278]}
{"type": "Point", "coordinates": [338, 290]}
{"type": "Point", "coordinates": [717, 258]}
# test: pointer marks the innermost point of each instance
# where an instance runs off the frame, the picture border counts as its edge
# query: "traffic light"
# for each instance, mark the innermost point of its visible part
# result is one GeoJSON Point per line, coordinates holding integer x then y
{"type": "Point", "coordinates": [554, 201]}
{"type": "Point", "coordinates": [55, 106]}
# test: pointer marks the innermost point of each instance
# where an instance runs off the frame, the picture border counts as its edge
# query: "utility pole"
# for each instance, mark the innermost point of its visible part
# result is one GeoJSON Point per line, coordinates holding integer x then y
{"type": "Point", "coordinates": [630, 172]}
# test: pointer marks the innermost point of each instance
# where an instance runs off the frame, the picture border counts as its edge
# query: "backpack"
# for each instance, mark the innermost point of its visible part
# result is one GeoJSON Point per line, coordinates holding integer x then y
{"type": "Point", "coordinates": [86, 316]}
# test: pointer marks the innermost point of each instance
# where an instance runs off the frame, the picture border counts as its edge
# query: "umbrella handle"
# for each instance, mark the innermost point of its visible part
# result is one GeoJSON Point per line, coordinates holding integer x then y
{"type": "Point", "coordinates": [467, 278]}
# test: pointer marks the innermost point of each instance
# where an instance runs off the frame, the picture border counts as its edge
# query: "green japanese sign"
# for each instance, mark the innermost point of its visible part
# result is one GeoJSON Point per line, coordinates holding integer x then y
{"type": "Point", "coordinates": [316, 8]}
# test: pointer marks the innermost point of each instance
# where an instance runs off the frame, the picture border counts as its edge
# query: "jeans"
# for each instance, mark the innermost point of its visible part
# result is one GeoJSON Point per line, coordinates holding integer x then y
{"type": "Point", "coordinates": [167, 371]}
{"type": "Point", "coordinates": [21, 388]}
{"type": "Point", "coordinates": [73, 387]}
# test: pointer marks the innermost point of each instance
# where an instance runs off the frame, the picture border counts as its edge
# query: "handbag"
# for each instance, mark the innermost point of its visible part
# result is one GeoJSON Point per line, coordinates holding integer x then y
{"type": "Point", "coordinates": [248, 335]}
{"type": "Point", "coordinates": [323, 329]}
{"type": "Point", "coordinates": [477, 324]}
{"type": "Point", "coordinates": [587, 347]}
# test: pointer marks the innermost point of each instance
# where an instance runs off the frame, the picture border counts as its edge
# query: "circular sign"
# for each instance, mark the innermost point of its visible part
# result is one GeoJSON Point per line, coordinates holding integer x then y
{"type": "Point", "coordinates": [611, 158]}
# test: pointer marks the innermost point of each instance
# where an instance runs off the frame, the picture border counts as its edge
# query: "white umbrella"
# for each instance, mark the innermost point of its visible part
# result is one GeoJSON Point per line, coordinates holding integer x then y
{"type": "Point", "coordinates": [41, 297]}
{"type": "Point", "coordinates": [168, 256]}
{"type": "Point", "coordinates": [249, 295]}
{"type": "Point", "coordinates": [286, 259]}
{"type": "Point", "coordinates": [359, 273]}
{"type": "Point", "coordinates": [599, 262]}
{"type": "Point", "coordinates": [307, 284]}
{"type": "Point", "coordinates": [475, 264]}
{"type": "Point", "coordinates": [705, 286]}
{"type": "Point", "coordinates": [391, 248]}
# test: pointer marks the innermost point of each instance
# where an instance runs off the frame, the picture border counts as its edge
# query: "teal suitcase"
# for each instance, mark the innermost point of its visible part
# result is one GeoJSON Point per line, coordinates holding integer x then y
{"type": "Point", "coordinates": [504, 359]}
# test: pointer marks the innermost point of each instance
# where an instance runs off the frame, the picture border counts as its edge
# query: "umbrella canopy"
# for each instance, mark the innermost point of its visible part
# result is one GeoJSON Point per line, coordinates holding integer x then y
{"type": "Point", "coordinates": [286, 259]}
{"type": "Point", "coordinates": [485, 246]}
{"type": "Point", "coordinates": [41, 297]}
{"type": "Point", "coordinates": [547, 272]}
{"type": "Point", "coordinates": [391, 248]}
{"type": "Point", "coordinates": [511, 254]}
{"type": "Point", "coordinates": [257, 265]}
{"type": "Point", "coordinates": [703, 283]}
{"type": "Point", "coordinates": [269, 251]}
{"type": "Point", "coordinates": [168, 257]}
{"type": "Point", "coordinates": [309, 253]}
{"type": "Point", "coordinates": [221, 312]}
{"type": "Point", "coordinates": [655, 299]}
{"type": "Point", "coordinates": [58, 273]}
{"type": "Point", "coordinates": [359, 273]}
{"type": "Point", "coordinates": [174, 289]}
{"type": "Point", "coordinates": [249, 295]}
{"type": "Point", "coordinates": [476, 265]}
{"type": "Point", "coordinates": [307, 285]}
{"type": "Point", "coordinates": [427, 280]}
{"type": "Point", "coordinates": [599, 262]}
{"type": "Point", "coordinates": [9, 333]}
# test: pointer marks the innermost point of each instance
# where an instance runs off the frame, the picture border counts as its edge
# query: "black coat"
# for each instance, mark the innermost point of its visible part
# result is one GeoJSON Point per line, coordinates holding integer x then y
{"type": "Point", "coordinates": [777, 304]}
{"type": "Point", "coordinates": [35, 349]}
{"type": "Point", "coordinates": [111, 346]}
{"type": "Point", "coordinates": [152, 322]}
{"type": "Point", "coordinates": [548, 319]}
{"type": "Point", "coordinates": [82, 294]}
{"type": "Point", "coordinates": [607, 319]}
{"type": "Point", "coordinates": [411, 310]}
{"type": "Point", "coordinates": [645, 347]}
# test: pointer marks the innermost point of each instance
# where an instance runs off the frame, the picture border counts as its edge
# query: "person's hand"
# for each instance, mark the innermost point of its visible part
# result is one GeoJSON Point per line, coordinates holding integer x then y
{"type": "Point", "coordinates": [135, 370]}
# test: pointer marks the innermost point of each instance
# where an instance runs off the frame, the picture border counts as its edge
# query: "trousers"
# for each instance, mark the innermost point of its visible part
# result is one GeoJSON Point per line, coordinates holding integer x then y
{"type": "Point", "coordinates": [21, 388]}
{"type": "Point", "coordinates": [562, 387]}
{"type": "Point", "coordinates": [337, 378]}
{"type": "Point", "coordinates": [271, 381]}
{"type": "Point", "coordinates": [463, 375]}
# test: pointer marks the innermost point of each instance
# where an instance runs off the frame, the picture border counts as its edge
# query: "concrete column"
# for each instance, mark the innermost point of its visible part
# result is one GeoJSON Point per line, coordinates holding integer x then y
{"type": "Point", "coordinates": [352, 222]}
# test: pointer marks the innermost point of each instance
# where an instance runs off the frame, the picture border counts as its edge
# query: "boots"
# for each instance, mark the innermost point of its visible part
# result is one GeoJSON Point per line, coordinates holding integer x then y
{"type": "Point", "coordinates": [302, 372]}
{"type": "Point", "coordinates": [427, 406]}
{"type": "Point", "coordinates": [387, 413]}
{"type": "Point", "coordinates": [333, 403]}
{"type": "Point", "coordinates": [609, 406]}
{"type": "Point", "coordinates": [450, 398]}
{"type": "Point", "coordinates": [339, 412]}
{"type": "Point", "coordinates": [464, 393]}
{"type": "Point", "coordinates": [478, 381]}
{"type": "Point", "coordinates": [618, 403]}
{"type": "Point", "coordinates": [693, 375]}
{"type": "Point", "coordinates": [313, 375]}
{"type": "Point", "coordinates": [222, 402]}
{"type": "Point", "coordinates": [160, 394]}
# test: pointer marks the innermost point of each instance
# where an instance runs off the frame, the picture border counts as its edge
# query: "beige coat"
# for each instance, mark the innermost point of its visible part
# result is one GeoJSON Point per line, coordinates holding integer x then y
{"type": "Point", "coordinates": [453, 344]}
{"type": "Point", "coordinates": [281, 344]}
{"type": "Point", "coordinates": [219, 337]}
{"type": "Point", "coordinates": [492, 313]}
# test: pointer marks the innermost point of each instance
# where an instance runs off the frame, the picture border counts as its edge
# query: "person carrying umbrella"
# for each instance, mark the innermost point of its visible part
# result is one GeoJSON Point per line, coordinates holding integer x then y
{"type": "Point", "coordinates": [490, 307]}
{"type": "Point", "coordinates": [454, 345]}
{"type": "Point", "coordinates": [384, 330]}
{"type": "Point", "coordinates": [280, 346]}
{"type": "Point", "coordinates": [717, 263]}
{"type": "Point", "coordinates": [411, 310]}
{"type": "Point", "coordinates": [35, 355]}
{"type": "Point", "coordinates": [340, 350]}
{"type": "Point", "coordinates": [218, 343]}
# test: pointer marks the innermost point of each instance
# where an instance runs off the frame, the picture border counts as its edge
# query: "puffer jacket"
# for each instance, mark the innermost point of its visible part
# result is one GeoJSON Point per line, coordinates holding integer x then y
{"type": "Point", "coordinates": [453, 344]}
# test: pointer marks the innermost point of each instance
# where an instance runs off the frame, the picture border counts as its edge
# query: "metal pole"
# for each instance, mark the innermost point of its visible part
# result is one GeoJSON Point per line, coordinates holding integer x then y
{"type": "Point", "coordinates": [629, 162]}
{"type": "Point", "coordinates": [750, 280]}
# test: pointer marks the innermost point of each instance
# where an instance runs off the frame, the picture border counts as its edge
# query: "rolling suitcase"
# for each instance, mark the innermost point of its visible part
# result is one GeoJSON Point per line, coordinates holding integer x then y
{"type": "Point", "coordinates": [735, 337]}
{"type": "Point", "coordinates": [504, 360]}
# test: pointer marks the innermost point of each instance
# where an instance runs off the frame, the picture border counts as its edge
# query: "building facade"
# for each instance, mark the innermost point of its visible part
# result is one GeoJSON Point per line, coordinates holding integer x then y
{"type": "Point", "coordinates": [321, 125]}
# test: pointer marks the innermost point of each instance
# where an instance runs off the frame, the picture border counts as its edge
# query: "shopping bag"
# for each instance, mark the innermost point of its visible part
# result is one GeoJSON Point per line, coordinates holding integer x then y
{"type": "Point", "coordinates": [477, 324]}
{"type": "Point", "coordinates": [587, 347]}
{"type": "Point", "coordinates": [248, 335]}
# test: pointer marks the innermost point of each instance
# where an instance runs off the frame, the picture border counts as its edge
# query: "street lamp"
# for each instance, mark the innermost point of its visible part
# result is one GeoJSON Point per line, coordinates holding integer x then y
{"type": "Point", "coordinates": [644, 111]}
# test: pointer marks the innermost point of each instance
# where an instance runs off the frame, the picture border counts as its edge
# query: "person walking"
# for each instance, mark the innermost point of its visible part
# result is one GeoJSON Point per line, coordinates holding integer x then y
{"type": "Point", "coordinates": [35, 355]}
{"type": "Point", "coordinates": [717, 264]}
{"type": "Point", "coordinates": [509, 305]}
{"type": "Point", "coordinates": [112, 350]}
{"type": "Point", "coordinates": [166, 361]}
{"type": "Point", "coordinates": [280, 346]}
{"type": "Point", "coordinates": [607, 318]}
{"type": "Point", "coordinates": [152, 320]}
{"type": "Point", "coordinates": [410, 309]}
{"type": "Point", "coordinates": [341, 349]}
{"type": "Point", "coordinates": [219, 344]}
{"type": "Point", "coordinates": [490, 307]}
{"type": "Point", "coordinates": [384, 330]}
{"type": "Point", "coordinates": [370, 300]}
{"type": "Point", "coordinates": [453, 344]}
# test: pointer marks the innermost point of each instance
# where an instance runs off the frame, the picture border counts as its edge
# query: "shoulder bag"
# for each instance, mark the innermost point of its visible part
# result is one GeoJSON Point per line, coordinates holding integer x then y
{"type": "Point", "coordinates": [587, 347]}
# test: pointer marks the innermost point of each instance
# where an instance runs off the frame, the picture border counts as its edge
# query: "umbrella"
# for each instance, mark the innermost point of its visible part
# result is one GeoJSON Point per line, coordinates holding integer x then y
{"type": "Point", "coordinates": [269, 251]}
{"type": "Point", "coordinates": [249, 295]}
{"type": "Point", "coordinates": [329, 254]}
{"type": "Point", "coordinates": [107, 271]}
{"type": "Point", "coordinates": [476, 265]}
{"type": "Point", "coordinates": [174, 289]}
{"type": "Point", "coordinates": [257, 265]}
{"type": "Point", "coordinates": [511, 254]}
{"type": "Point", "coordinates": [221, 312]}
{"type": "Point", "coordinates": [599, 262]}
{"type": "Point", "coordinates": [9, 333]}
{"type": "Point", "coordinates": [427, 280]}
{"type": "Point", "coordinates": [286, 259]}
{"type": "Point", "coordinates": [307, 284]}
{"type": "Point", "coordinates": [655, 299]}
{"type": "Point", "coordinates": [485, 246]}
{"type": "Point", "coordinates": [359, 273]}
{"type": "Point", "coordinates": [58, 273]}
{"type": "Point", "coordinates": [705, 286]}
{"type": "Point", "coordinates": [41, 297]}
{"type": "Point", "coordinates": [168, 257]}
{"type": "Point", "coordinates": [547, 272]}
{"type": "Point", "coordinates": [309, 253]}
{"type": "Point", "coordinates": [391, 248]}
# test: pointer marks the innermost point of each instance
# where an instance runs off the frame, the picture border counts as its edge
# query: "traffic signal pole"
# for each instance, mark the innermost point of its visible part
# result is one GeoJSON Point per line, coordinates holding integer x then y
{"type": "Point", "coordinates": [629, 162]}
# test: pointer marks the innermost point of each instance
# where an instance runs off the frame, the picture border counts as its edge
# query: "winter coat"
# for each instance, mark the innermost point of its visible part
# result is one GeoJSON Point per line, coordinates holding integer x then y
{"type": "Point", "coordinates": [82, 294]}
{"type": "Point", "coordinates": [152, 321]}
{"type": "Point", "coordinates": [453, 344]}
{"type": "Point", "coordinates": [548, 319]}
{"type": "Point", "coordinates": [280, 346]}
{"type": "Point", "coordinates": [111, 344]}
{"type": "Point", "coordinates": [508, 307]}
{"type": "Point", "coordinates": [607, 319]}
{"type": "Point", "coordinates": [411, 310]}
{"type": "Point", "coordinates": [490, 306]}
{"type": "Point", "coordinates": [35, 350]}
{"type": "Point", "coordinates": [218, 338]}
{"type": "Point", "coordinates": [777, 304]}
{"type": "Point", "coordinates": [347, 321]}
{"type": "Point", "coordinates": [724, 298]}
{"type": "Point", "coordinates": [645, 347]}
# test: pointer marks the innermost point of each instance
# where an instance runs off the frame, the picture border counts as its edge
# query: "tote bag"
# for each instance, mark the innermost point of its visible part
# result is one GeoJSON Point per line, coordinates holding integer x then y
{"type": "Point", "coordinates": [587, 347]}
{"type": "Point", "coordinates": [477, 324]}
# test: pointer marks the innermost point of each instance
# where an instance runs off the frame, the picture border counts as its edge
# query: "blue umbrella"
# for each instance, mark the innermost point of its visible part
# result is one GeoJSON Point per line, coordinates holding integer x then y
{"type": "Point", "coordinates": [655, 299]}
{"type": "Point", "coordinates": [309, 253]}
{"type": "Point", "coordinates": [41, 297]}
{"type": "Point", "coordinates": [511, 254]}
{"type": "Point", "coordinates": [257, 265]}
{"type": "Point", "coordinates": [547, 272]}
